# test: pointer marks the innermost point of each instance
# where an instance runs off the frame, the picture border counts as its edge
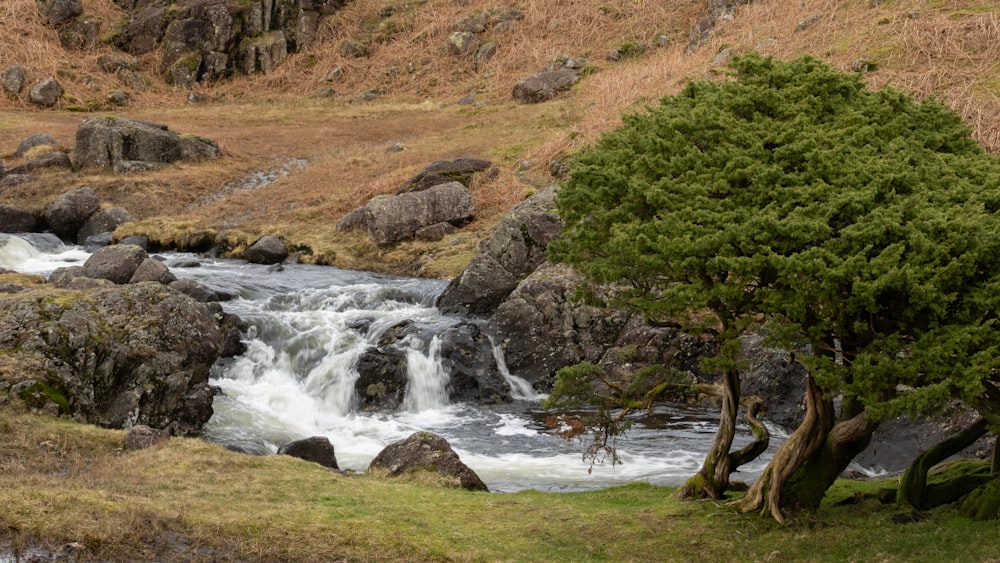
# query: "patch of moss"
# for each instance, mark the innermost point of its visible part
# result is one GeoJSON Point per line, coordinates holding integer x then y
{"type": "Point", "coordinates": [41, 394]}
{"type": "Point", "coordinates": [984, 502]}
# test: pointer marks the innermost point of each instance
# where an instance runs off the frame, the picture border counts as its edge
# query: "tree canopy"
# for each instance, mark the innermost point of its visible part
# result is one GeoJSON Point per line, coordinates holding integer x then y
{"type": "Point", "coordinates": [861, 224]}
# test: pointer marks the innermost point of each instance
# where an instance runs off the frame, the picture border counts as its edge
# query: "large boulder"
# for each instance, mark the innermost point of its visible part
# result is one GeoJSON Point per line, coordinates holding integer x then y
{"type": "Point", "coordinates": [81, 33]}
{"type": "Point", "coordinates": [46, 93]}
{"type": "Point", "coordinates": [316, 449]}
{"type": "Point", "coordinates": [268, 249]}
{"type": "Point", "coordinates": [57, 12]}
{"type": "Point", "coordinates": [393, 218]}
{"type": "Point", "coordinates": [68, 212]}
{"type": "Point", "coordinates": [115, 142]}
{"type": "Point", "coordinates": [382, 378]}
{"type": "Point", "coordinates": [126, 355]}
{"type": "Point", "coordinates": [117, 263]}
{"type": "Point", "coordinates": [152, 270]}
{"type": "Point", "coordinates": [14, 78]}
{"type": "Point", "coordinates": [53, 159]}
{"type": "Point", "coordinates": [426, 451]}
{"type": "Point", "coordinates": [467, 357]}
{"type": "Point", "coordinates": [195, 290]}
{"type": "Point", "coordinates": [540, 329]}
{"type": "Point", "coordinates": [14, 220]}
{"type": "Point", "coordinates": [104, 221]}
{"type": "Point", "coordinates": [544, 86]}
{"type": "Point", "coordinates": [514, 250]}
{"type": "Point", "coordinates": [32, 141]}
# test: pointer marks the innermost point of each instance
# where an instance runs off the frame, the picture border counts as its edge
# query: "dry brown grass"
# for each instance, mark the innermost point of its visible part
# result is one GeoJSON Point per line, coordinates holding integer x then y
{"type": "Point", "coordinates": [944, 48]}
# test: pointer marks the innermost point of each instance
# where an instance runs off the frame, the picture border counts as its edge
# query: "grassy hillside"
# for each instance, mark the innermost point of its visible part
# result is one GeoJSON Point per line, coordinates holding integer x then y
{"type": "Point", "coordinates": [329, 151]}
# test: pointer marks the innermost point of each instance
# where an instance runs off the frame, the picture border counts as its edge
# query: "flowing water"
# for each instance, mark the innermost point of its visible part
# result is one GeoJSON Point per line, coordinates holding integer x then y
{"type": "Point", "coordinates": [309, 326]}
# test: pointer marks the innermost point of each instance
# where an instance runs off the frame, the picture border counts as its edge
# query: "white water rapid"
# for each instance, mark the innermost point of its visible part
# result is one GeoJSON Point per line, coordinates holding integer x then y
{"type": "Point", "coordinates": [310, 326]}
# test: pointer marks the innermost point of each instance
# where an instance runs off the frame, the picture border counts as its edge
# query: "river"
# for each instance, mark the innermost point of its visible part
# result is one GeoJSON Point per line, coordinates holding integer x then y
{"type": "Point", "coordinates": [309, 325]}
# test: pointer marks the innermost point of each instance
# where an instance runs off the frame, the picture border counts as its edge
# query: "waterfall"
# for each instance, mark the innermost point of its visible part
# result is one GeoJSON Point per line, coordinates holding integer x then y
{"type": "Point", "coordinates": [519, 387]}
{"type": "Point", "coordinates": [310, 325]}
{"type": "Point", "coordinates": [427, 380]}
{"type": "Point", "coordinates": [14, 251]}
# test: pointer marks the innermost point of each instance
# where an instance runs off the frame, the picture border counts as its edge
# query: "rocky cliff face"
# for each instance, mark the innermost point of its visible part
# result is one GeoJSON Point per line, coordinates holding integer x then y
{"type": "Point", "coordinates": [205, 40]}
{"type": "Point", "coordinates": [514, 250]}
{"type": "Point", "coordinates": [125, 355]}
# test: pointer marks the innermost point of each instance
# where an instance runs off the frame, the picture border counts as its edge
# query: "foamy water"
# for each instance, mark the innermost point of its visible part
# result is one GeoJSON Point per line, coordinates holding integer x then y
{"type": "Point", "coordinates": [310, 325]}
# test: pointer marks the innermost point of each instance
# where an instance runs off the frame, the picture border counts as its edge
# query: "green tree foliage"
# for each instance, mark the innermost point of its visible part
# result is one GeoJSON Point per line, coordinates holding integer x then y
{"type": "Point", "coordinates": [858, 222]}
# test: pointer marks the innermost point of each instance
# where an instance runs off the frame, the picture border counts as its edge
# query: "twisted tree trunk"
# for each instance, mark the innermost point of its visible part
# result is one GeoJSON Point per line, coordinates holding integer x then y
{"type": "Point", "coordinates": [712, 480]}
{"type": "Point", "coordinates": [913, 487]}
{"type": "Point", "coordinates": [810, 460]}
{"type": "Point", "coordinates": [762, 437]}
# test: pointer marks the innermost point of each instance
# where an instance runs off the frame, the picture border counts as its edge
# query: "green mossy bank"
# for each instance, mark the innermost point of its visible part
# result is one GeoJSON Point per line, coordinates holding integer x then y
{"type": "Point", "coordinates": [63, 482]}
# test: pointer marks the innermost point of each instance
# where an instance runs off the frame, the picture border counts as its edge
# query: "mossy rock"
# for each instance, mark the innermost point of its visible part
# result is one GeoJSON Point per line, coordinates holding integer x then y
{"type": "Point", "coordinates": [40, 394]}
{"type": "Point", "coordinates": [983, 503]}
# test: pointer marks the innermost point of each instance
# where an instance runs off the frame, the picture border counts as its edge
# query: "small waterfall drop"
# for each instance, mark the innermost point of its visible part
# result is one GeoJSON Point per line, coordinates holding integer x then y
{"type": "Point", "coordinates": [14, 251]}
{"type": "Point", "coordinates": [427, 380]}
{"type": "Point", "coordinates": [520, 389]}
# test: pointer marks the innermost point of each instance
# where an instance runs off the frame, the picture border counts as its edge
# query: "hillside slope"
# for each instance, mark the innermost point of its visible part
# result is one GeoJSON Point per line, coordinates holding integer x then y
{"type": "Point", "coordinates": [308, 124]}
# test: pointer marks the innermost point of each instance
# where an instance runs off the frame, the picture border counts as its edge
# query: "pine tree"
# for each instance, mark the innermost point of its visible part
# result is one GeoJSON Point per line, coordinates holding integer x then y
{"type": "Point", "coordinates": [859, 225]}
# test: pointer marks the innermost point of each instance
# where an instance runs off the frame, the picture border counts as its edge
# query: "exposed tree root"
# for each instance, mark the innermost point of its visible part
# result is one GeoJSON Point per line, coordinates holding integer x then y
{"type": "Point", "coordinates": [913, 487]}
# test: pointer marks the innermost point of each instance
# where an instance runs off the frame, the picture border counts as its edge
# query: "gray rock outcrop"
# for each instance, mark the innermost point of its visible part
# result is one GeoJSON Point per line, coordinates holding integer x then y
{"type": "Point", "coordinates": [382, 377]}
{"type": "Point", "coordinates": [67, 214]}
{"type": "Point", "coordinates": [541, 330]}
{"type": "Point", "coordinates": [79, 33]}
{"type": "Point", "coordinates": [544, 86]}
{"type": "Point", "coordinates": [466, 356]}
{"type": "Point", "coordinates": [425, 451]}
{"type": "Point", "coordinates": [57, 12]}
{"type": "Point", "coordinates": [118, 357]}
{"type": "Point", "coordinates": [206, 40]}
{"type": "Point", "coordinates": [113, 142]}
{"type": "Point", "coordinates": [14, 220]}
{"type": "Point", "coordinates": [316, 449]}
{"type": "Point", "coordinates": [268, 249]}
{"type": "Point", "coordinates": [514, 250]}
{"type": "Point", "coordinates": [393, 218]}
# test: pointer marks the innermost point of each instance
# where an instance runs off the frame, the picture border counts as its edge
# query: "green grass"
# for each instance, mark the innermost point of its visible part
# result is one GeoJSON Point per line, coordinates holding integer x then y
{"type": "Point", "coordinates": [63, 482]}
